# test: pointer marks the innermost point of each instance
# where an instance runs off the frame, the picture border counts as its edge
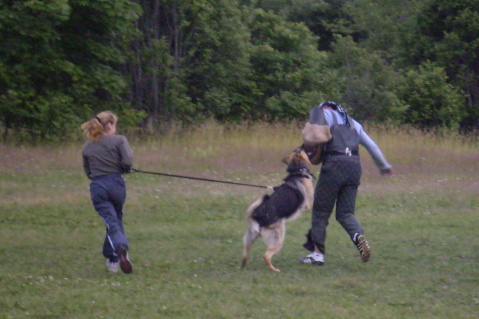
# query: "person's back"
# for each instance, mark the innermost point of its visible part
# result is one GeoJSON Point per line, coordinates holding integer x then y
{"type": "Point", "coordinates": [109, 155]}
{"type": "Point", "coordinates": [344, 138]}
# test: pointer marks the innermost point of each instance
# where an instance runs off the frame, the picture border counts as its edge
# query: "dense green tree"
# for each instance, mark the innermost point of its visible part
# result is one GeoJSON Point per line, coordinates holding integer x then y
{"type": "Point", "coordinates": [384, 25]}
{"type": "Point", "coordinates": [325, 18]}
{"type": "Point", "coordinates": [368, 83]}
{"type": "Point", "coordinates": [431, 101]}
{"type": "Point", "coordinates": [217, 69]}
{"type": "Point", "coordinates": [58, 62]}
{"type": "Point", "coordinates": [185, 60]}
{"type": "Point", "coordinates": [156, 69]}
{"type": "Point", "coordinates": [227, 63]}
{"type": "Point", "coordinates": [30, 65]}
{"type": "Point", "coordinates": [448, 35]}
{"type": "Point", "coordinates": [192, 60]}
{"type": "Point", "coordinates": [289, 72]}
{"type": "Point", "coordinates": [359, 50]}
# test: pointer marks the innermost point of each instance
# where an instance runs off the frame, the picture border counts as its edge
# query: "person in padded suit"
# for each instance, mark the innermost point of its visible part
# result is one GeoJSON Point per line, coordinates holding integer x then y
{"type": "Point", "coordinates": [106, 156]}
{"type": "Point", "coordinates": [339, 177]}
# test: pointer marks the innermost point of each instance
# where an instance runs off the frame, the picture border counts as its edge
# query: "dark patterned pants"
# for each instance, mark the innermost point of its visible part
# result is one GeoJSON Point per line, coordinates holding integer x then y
{"type": "Point", "coordinates": [337, 185]}
{"type": "Point", "coordinates": [108, 194]}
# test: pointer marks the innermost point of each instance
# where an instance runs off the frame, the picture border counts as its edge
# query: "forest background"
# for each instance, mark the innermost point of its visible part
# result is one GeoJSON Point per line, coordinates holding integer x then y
{"type": "Point", "coordinates": [165, 63]}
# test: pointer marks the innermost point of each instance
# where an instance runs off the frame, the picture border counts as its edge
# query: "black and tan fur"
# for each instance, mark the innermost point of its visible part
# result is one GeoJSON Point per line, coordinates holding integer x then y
{"type": "Point", "coordinates": [299, 181]}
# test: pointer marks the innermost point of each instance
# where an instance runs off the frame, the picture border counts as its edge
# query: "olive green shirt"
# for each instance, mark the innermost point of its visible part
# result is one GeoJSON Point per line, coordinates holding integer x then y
{"type": "Point", "coordinates": [110, 155]}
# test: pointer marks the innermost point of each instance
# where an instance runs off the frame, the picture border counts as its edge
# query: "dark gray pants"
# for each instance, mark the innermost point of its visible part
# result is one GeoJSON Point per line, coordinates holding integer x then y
{"type": "Point", "coordinates": [337, 185]}
{"type": "Point", "coordinates": [108, 194]}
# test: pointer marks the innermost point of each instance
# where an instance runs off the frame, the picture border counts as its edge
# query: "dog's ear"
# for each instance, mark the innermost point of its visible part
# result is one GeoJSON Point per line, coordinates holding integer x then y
{"type": "Point", "coordinates": [291, 157]}
{"type": "Point", "coordinates": [287, 159]}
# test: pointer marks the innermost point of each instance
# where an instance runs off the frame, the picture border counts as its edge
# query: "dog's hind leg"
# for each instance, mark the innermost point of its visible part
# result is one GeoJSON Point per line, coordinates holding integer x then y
{"type": "Point", "coordinates": [273, 239]}
{"type": "Point", "coordinates": [250, 235]}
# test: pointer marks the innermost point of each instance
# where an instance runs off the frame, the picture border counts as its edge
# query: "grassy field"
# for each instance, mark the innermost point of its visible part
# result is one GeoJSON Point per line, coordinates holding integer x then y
{"type": "Point", "coordinates": [186, 235]}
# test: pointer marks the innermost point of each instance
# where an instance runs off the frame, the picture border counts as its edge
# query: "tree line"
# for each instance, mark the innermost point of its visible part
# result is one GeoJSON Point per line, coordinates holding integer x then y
{"type": "Point", "coordinates": [158, 62]}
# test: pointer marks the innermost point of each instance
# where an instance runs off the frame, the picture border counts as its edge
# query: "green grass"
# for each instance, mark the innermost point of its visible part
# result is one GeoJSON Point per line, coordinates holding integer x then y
{"type": "Point", "coordinates": [186, 235]}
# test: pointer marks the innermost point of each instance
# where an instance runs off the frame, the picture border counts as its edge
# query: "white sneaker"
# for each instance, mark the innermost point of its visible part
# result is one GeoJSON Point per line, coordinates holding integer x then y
{"type": "Point", "coordinates": [112, 266]}
{"type": "Point", "coordinates": [313, 259]}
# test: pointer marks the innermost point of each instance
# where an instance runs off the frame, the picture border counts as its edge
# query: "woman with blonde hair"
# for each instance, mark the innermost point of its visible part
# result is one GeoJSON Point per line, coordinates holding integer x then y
{"type": "Point", "coordinates": [106, 156]}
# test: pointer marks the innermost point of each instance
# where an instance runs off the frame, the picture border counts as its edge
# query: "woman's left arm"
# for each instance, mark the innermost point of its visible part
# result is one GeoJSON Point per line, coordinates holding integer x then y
{"type": "Point", "coordinates": [372, 148]}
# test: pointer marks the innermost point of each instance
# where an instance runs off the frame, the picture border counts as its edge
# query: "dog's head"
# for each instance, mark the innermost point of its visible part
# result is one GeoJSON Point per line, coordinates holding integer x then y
{"type": "Point", "coordinates": [298, 157]}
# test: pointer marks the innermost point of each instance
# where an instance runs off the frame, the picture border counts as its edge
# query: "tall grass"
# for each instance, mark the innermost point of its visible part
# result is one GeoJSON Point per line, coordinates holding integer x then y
{"type": "Point", "coordinates": [186, 235]}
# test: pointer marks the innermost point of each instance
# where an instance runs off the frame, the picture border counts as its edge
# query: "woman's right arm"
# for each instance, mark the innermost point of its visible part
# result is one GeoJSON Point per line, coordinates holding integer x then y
{"type": "Point", "coordinates": [86, 166]}
{"type": "Point", "coordinates": [126, 156]}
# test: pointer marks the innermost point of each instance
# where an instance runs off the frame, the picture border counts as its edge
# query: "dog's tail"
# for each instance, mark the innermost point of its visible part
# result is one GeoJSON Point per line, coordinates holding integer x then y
{"type": "Point", "coordinates": [254, 205]}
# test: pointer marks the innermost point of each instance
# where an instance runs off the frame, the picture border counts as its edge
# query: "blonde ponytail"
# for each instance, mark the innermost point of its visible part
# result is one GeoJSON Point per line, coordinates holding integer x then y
{"type": "Point", "coordinates": [94, 129]}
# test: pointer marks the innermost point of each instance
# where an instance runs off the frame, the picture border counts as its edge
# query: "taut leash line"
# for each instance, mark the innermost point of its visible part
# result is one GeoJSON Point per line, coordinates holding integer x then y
{"type": "Point", "coordinates": [199, 179]}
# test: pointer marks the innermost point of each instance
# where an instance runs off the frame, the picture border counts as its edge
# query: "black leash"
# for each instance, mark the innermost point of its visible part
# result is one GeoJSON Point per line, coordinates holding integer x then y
{"type": "Point", "coordinates": [199, 179]}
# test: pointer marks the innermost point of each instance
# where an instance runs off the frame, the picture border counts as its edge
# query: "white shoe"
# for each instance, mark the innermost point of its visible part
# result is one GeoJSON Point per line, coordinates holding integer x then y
{"type": "Point", "coordinates": [112, 266]}
{"type": "Point", "coordinates": [313, 259]}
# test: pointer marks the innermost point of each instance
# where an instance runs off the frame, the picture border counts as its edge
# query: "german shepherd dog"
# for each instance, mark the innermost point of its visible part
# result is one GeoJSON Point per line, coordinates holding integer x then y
{"type": "Point", "coordinates": [267, 216]}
